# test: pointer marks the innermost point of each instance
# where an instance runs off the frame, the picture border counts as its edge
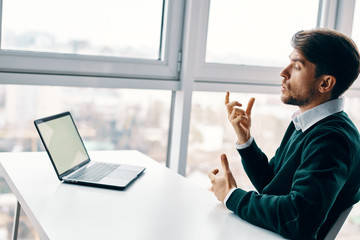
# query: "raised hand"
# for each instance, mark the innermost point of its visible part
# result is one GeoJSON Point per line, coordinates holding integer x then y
{"type": "Point", "coordinates": [239, 119]}
{"type": "Point", "coordinates": [222, 185]}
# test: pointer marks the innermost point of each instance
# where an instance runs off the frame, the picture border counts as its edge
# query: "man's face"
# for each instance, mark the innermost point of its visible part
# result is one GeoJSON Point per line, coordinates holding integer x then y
{"type": "Point", "coordinates": [298, 86]}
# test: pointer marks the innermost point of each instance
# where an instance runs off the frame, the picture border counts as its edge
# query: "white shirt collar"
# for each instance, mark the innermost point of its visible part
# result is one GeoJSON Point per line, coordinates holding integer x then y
{"type": "Point", "coordinates": [305, 120]}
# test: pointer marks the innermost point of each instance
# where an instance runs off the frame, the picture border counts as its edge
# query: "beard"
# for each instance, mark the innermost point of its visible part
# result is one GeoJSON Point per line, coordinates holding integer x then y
{"type": "Point", "coordinates": [297, 100]}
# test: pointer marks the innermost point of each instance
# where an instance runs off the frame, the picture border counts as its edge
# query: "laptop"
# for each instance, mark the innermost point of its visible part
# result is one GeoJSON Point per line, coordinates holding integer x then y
{"type": "Point", "coordinates": [70, 158]}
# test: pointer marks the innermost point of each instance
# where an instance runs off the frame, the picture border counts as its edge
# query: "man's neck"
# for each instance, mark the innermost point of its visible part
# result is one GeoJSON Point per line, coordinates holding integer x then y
{"type": "Point", "coordinates": [314, 103]}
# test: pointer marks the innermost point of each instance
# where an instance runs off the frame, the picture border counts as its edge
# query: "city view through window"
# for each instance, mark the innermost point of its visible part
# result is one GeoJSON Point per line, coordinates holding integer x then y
{"type": "Point", "coordinates": [47, 30]}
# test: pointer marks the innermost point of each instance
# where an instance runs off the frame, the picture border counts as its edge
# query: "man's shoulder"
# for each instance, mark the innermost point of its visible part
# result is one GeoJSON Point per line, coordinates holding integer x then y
{"type": "Point", "coordinates": [338, 126]}
{"type": "Point", "coordinates": [339, 121]}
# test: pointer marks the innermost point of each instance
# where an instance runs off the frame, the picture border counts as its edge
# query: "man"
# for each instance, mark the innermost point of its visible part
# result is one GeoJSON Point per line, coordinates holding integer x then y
{"type": "Point", "coordinates": [315, 173]}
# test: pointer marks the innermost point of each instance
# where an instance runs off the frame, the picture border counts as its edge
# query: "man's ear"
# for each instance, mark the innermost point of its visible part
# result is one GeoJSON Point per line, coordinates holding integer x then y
{"type": "Point", "coordinates": [327, 83]}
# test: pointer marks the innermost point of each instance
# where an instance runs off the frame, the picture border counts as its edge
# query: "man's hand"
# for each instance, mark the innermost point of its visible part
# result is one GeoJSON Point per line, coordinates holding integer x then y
{"type": "Point", "coordinates": [222, 185]}
{"type": "Point", "coordinates": [239, 119]}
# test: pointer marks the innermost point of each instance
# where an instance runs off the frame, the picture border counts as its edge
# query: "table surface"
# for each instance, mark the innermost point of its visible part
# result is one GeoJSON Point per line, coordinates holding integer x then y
{"type": "Point", "coordinates": [160, 204]}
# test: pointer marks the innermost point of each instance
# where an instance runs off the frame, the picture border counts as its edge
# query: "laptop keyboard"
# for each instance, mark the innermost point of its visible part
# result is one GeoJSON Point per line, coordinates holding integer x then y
{"type": "Point", "coordinates": [95, 172]}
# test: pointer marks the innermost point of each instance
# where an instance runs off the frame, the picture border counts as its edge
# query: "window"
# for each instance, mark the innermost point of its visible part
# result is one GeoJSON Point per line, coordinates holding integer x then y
{"type": "Point", "coordinates": [112, 40]}
{"type": "Point", "coordinates": [107, 119]}
{"type": "Point", "coordinates": [256, 32]}
{"type": "Point", "coordinates": [119, 28]}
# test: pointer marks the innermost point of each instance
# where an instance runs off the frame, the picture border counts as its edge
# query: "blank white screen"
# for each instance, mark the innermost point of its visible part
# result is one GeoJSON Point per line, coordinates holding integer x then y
{"type": "Point", "coordinates": [63, 143]}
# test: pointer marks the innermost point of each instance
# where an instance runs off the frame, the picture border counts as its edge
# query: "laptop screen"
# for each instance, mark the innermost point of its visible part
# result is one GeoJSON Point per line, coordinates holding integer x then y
{"type": "Point", "coordinates": [63, 142]}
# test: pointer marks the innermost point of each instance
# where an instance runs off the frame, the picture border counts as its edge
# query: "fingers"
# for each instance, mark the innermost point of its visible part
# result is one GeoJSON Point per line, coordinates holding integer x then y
{"type": "Point", "coordinates": [233, 115]}
{"type": "Point", "coordinates": [231, 107]}
{"type": "Point", "coordinates": [221, 185]}
{"type": "Point", "coordinates": [250, 105]}
{"type": "Point", "coordinates": [238, 116]}
{"type": "Point", "coordinates": [233, 104]}
{"type": "Point", "coordinates": [225, 163]}
{"type": "Point", "coordinates": [212, 174]}
{"type": "Point", "coordinates": [227, 97]}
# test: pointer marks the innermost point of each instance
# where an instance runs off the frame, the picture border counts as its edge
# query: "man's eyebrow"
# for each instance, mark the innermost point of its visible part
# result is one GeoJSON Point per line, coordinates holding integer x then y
{"type": "Point", "coordinates": [302, 61]}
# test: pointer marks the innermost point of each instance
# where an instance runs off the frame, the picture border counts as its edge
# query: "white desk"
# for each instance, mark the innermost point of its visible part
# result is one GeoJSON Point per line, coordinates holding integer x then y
{"type": "Point", "coordinates": [159, 205]}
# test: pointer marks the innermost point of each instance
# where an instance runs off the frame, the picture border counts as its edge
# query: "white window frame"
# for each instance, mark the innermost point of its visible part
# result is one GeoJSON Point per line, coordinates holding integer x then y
{"type": "Point", "coordinates": [22, 67]}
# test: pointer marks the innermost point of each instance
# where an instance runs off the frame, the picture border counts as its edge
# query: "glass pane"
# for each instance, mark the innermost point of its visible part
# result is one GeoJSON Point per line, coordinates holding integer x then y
{"type": "Point", "coordinates": [109, 28]}
{"type": "Point", "coordinates": [107, 119]}
{"type": "Point", "coordinates": [256, 32]}
{"type": "Point", "coordinates": [211, 135]}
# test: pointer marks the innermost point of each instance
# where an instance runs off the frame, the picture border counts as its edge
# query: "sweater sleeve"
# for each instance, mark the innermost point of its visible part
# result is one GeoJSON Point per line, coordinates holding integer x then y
{"type": "Point", "coordinates": [325, 162]}
{"type": "Point", "coordinates": [256, 166]}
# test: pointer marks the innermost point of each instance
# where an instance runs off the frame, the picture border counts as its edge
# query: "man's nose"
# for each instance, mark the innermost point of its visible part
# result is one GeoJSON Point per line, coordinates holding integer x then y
{"type": "Point", "coordinates": [285, 73]}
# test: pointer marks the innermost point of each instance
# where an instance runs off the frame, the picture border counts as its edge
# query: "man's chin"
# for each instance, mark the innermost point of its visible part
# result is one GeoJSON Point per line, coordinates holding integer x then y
{"type": "Point", "coordinates": [288, 100]}
{"type": "Point", "coordinates": [284, 99]}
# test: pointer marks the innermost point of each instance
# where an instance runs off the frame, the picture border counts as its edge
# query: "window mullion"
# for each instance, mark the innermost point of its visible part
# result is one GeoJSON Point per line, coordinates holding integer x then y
{"type": "Point", "coordinates": [328, 14]}
{"type": "Point", "coordinates": [195, 16]}
{"type": "Point", "coordinates": [345, 16]}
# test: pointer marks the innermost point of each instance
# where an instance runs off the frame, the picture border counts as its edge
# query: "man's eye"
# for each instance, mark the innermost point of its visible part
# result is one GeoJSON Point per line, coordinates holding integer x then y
{"type": "Point", "coordinates": [296, 68]}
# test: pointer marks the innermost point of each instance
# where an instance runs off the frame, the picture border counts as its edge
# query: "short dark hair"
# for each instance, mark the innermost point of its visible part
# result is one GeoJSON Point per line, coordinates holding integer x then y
{"type": "Point", "coordinates": [333, 53]}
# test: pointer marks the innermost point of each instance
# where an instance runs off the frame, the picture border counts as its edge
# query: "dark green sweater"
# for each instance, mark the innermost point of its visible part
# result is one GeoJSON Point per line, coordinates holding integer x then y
{"type": "Point", "coordinates": [312, 178]}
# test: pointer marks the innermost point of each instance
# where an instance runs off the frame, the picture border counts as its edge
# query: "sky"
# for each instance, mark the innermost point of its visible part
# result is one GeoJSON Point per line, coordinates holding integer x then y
{"type": "Point", "coordinates": [135, 22]}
